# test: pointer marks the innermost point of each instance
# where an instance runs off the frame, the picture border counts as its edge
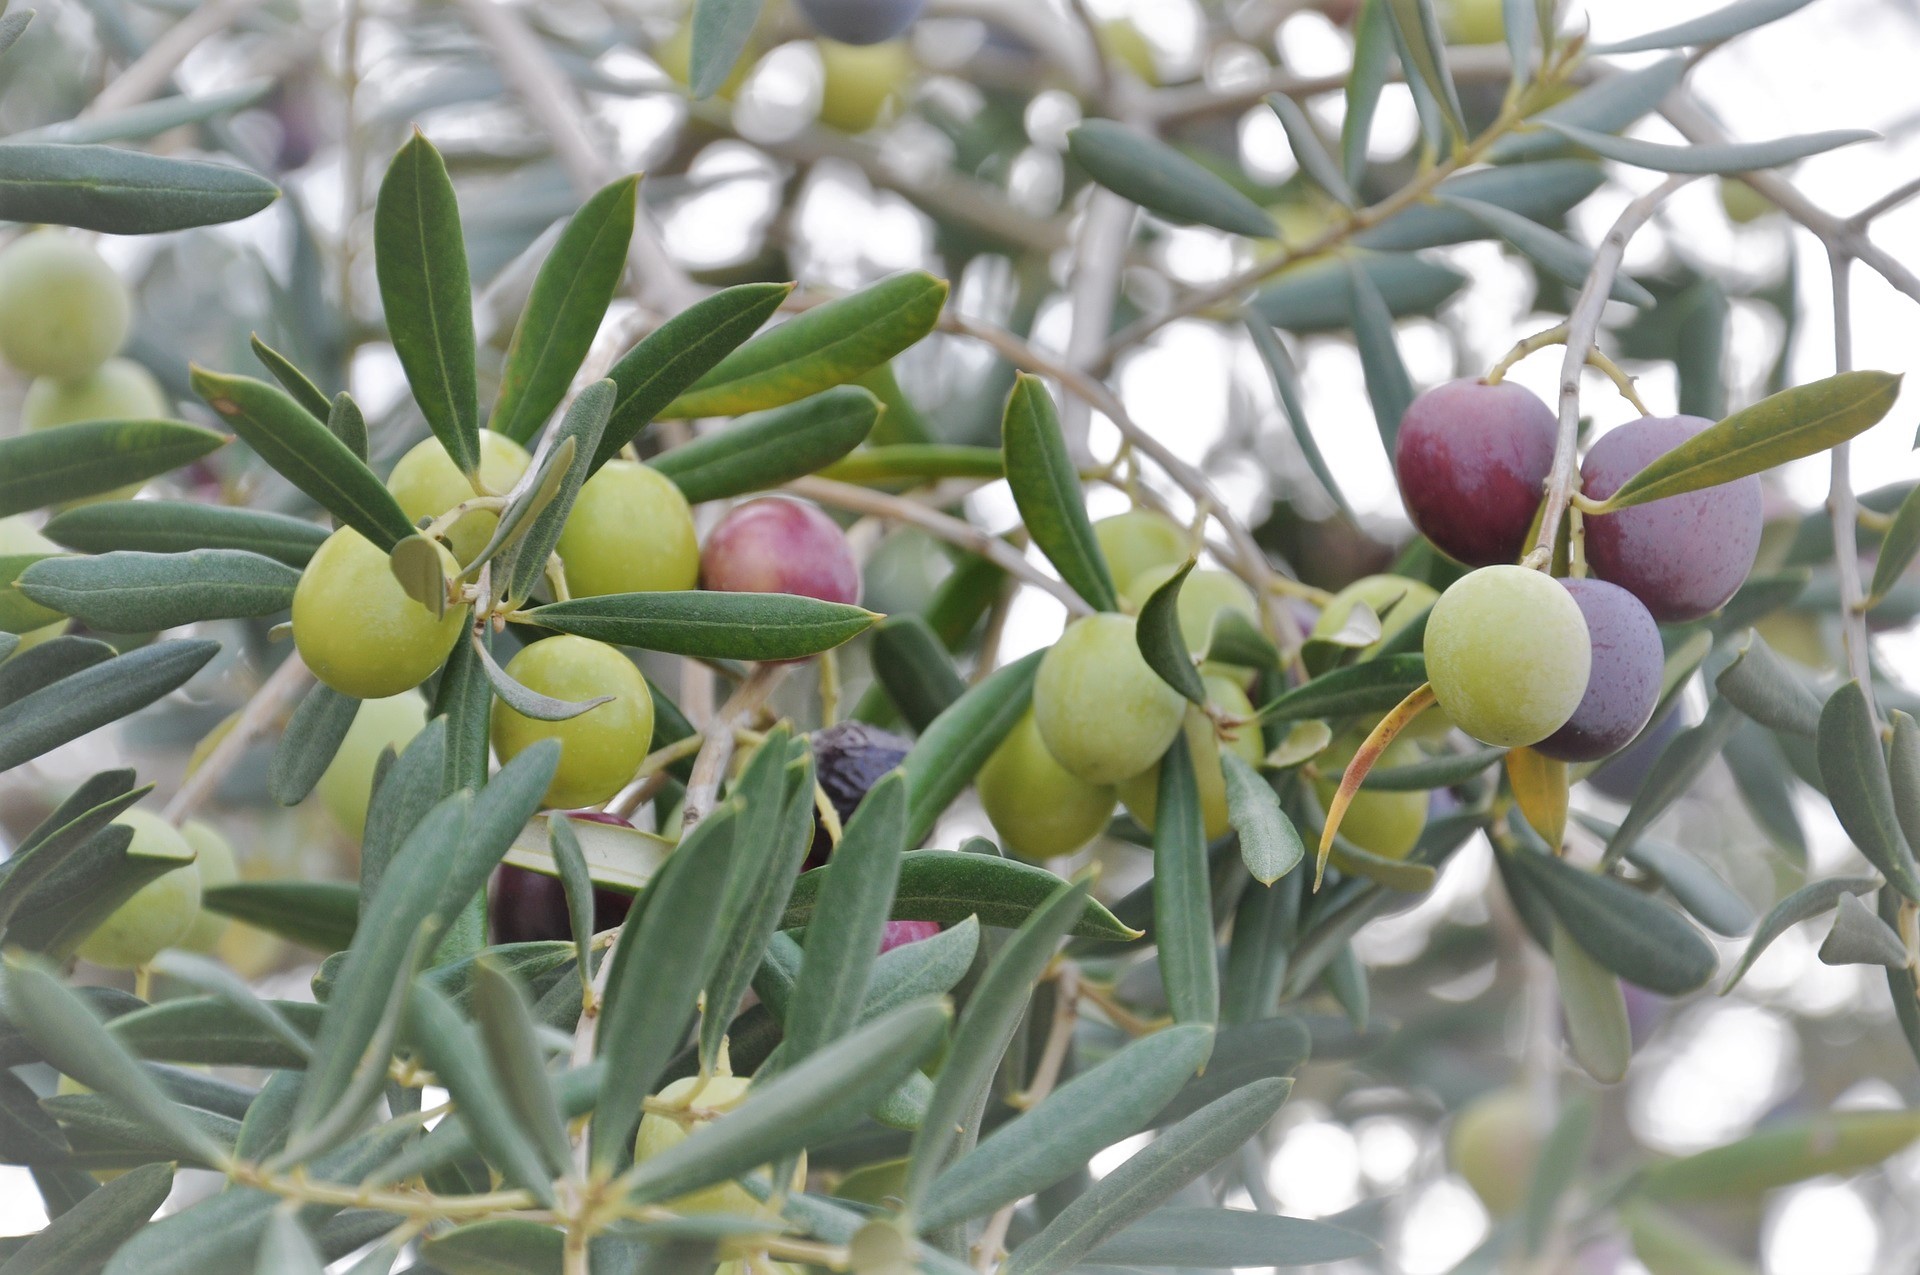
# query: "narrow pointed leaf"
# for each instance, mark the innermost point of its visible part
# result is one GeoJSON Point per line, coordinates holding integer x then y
{"type": "Point", "coordinates": [1317, 296]}
{"type": "Point", "coordinates": [1733, 157]}
{"type": "Point", "coordinates": [1637, 937]}
{"type": "Point", "coordinates": [1389, 388]}
{"type": "Point", "coordinates": [1553, 252]}
{"type": "Point", "coordinates": [579, 432]}
{"type": "Point", "coordinates": [708, 623]}
{"type": "Point", "coordinates": [421, 260]}
{"type": "Point", "coordinates": [12, 27]}
{"type": "Point", "coordinates": [1608, 105]}
{"type": "Point", "coordinates": [1521, 20]}
{"type": "Point", "coordinates": [96, 696]}
{"type": "Point", "coordinates": [347, 423]}
{"type": "Point", "coordinates": [306, 454]}
{"type": "Point", "coordinates": [1693, 885]}
{"type": "Point", "coordinates": [128, 592]}
{"type": "Point", "coordinates": [1763, 687]}
{"type": "Point", "coordinates": [949, 886]}
{"type": "Point", "coordinates": [1226, 1238]}
{"type": "Point", "coordinates": [1859, 937]}
{"type": "Point", "coordinates": [530, 703]}
{"type": "Point", "coordinates": [721, 29]}
{"type": "Point", "coordinates": [1162, 644]}
{"type": "Point", "coordinates": [87, 1234]}
{"type": "Point", "coordinates": [1543, 193]}
{"type": "Point", "coordinates": [81, 817]}
{"type": "Point", "coordinates": [1594, 1010]}
{"type": "Point", "coordinates": [47, 467]}
{"type": "Point", "coordinates": [1422, 44]}
{"type": "Point", "coordinates": [1149, 1178]}
{"type": "Point", "coordinates": [767, 449]}
{"type": "Point", "coordinates": [1308, 150]}
{"type": "Point", "coordinates": [953, 747]}
{"type": "Point", "coordinates": [1855, 771]}
{"type": "Point", "coordinates": [514, 1054]}
{"type": "Point", "coordinates": [916, 462]}
{"type": "Point", "coordinates": [678, 353]}
{"type": "Point", "coordinates": [1897, 549]}
{"type": "Point", "coordinates": [914, 669]}
{"type": "Point", "coordinates": [1681, 762]}
{"type": "Point", "coordinates": [1558, 1164]}
{"type": "Point", "coordinates": [1373, 686]}
{"type": "Point", "coordinates": [564, 844]}
{"type": "Point", "coordinates": [1286, 389]}
{"type": "Point", "coordinates": [825, 346]}
{"type": "Point", "coordinates": [286, 1249]}
{"type": "Point", "coordinates": [570, 296]}
{"type": "Point", "coordinates": [1046, 488]}
{"type": "Point", "coordinates": [1438, 772]}
{"type": "Point", "coordinates": [295, 382]}
{"type": "Point", "coordinates": [1162, 180]}
{"type": "Point", "coordinates": [1791, 1151]}
{"type": "Point", "coordinates": [1183, 892]}
{"type": "Point", "coordinates": [1269, 843]}
{"type": "Point", "coordinates": [1372, 64]}
{"type": "Point", "coordinates": [123, 192]}
{"type": "Point", "coordinates": [179, 526]}
{"type": "Point", "coordinates": [227, 986]}
{"type": "Point", "coordinates": [1736, 19]}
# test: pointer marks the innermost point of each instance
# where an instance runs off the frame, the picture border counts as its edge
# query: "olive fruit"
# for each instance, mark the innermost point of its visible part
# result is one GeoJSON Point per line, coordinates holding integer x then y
{"type": "Point", "coordinates": [1388, 824]}
{"type": "Point", "coordinates": [117, 390]}
{"type": "Point", "coordinates": [861, 84]}
{"type": "Point", "coordinates": [1682, 556]}
{"type": "Point", "coordinates": [18, 536]}
{"type": "Point", "coordinates": [1123, 42]}
{"type": "Point", "coordinates": [1472, 461]}
{"type": "Point", "coordinates": [602, 747]}
{"type": "Point", "coordinates": [1038, 808]}
{"type": "Point", "coordinates": [1742, 203]}
{"type": "Point", "coordinates": [63, 311]}
{"type": "Point", "coordinates": [778, 545]}
{"type": "Point", "coordinates": [1141, 793]}
{"type": "Point", "coordinates": [1473, 21]}
{"type": "Point", "coordinates": [531, 907]}
{"type": "Point", "coordinates": [356, 627]}
{"type": "Point", "coordinates": [213, 858]}
{"type": "Point", "coordinates": [1203, 596]}
{"type": "Point", "coordinates": [1137, 541]}
{"type": "Point", "coordinates": [1624, 684]}
{"type": "Point", "coordinates": [1396, 600]}
{"type": "Point", "coordinates": [901, 933]}
{"type": "Point", "coordinates": [1493, 1144]}
{"type": "Point", "coordinates": [861, 21]}
{"type": "Point", "coordinates": [346, 785]}
{"type": "Point", "coordinates": [161, 912]}
{"type": "Point", "coordinates": [1508, 655]}
{"type": "Point", "coordinates": [427, 483]}
{"type": "Point", "coordinates": [849, 758]}
{"type": "Point", "coordinates": [1102, 712]}
{"type": "Point", "coordinates": [703, 1101]}
{"type": "Point", "coordinates": [630, 531]}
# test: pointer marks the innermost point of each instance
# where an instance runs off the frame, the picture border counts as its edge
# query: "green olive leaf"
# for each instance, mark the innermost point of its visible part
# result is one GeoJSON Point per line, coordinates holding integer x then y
{"type": "Point", "coordinates": [1608, 105]}
{"type": "Point", "coordinates": [291, 378]}
{"type": "Point", "coordinates": [1161, 643]}
{"type": "Point", "coordinates": [313, 736]}
{"type": "Point", "coordinates": [1711, 28]}
{"type": "Point", "coordinates": [1046, 488]}
{"type": "Point", "coordinates": [915, 463]}
{"type": "Point", "coordinates": [420, 257]}
{"type": "Point", "coordinates": [1553, 252]}
{"type": "Point", "coordinates": [1594, 1009]}
{"type": "Point", "coordinates": [1389, 387]}
{"type": "Point", "coordinates": [721, 29]}
{"type": "Point", "coordinates": [914, 670]}
{"type": "Point", "coordinates": [94, 696]}
{"type": "Point", "coordinates": [1859, 937]}
{"type": "Point", "coordinates": [87, 1234]}
{"type": "Point", "coordinates": [1309, 151]}
{"type": "Point", "coordinates": [1858, 785]}
{"type": "Point", "coordinates": [1183, 892]}
{"type": "Point", "coordinates": [1269, 843]}
{"type": "Point", "coordinates": [1424, 50]}
{"type": "Point", "coordinates": [1632, 934]}
{"type": "Point", "coordinates": [709, 623]}
{"type": "Point", "coordinates": [570, 296]}
{"type": "Point", "coordinates": [178, 526]}
{"type": "Point", "coordinates": [46, 467]}
{"type": "Point", "coordinates": [1789, 1151]}
{"type": "Point", "coordinates": [1761, 685]}
{"type": "Point", "coordinates": [1373, 58]}
{"type": "Point", "coordinates": [1317, 296]}
{"type": "Point", "coordinates": [321, 915]}
{"type": "Point", "coordinates": [531, 703]}
{"type": "Point", "coordinates": [1733, 157]}
{"type": "Point", "coordinates": [1372, 686]}
{"type": "Point", "coordinates": [1541, 193]}
{"type": "Point", "coordinates": [346, 422]}
{"type": "Point", "coordinates": [769, 448]}
{"type": "Point", "coordinates": [578, 436]}
{"type": "Point", "coordinates": [1162, 180]}
{"type": "Point", "coordinates": [954, 745]}
{"type": "Point", "coordinates": [415, 563]}
{"type": "Point", "coordinates": [128, 592]}
{"type": "Point", "coordinates": [1286, 390]}
{"type": "Point", "coordinates": [828, 345]}
{"type": "Point", "coordinates": [123, 192]}
{"type": "Point", "coordinates": [949, 886]}
{"type": "Point", "coordinates": [1897, 549]}
{"type": "Point", "coordinates": [1215, 1239]}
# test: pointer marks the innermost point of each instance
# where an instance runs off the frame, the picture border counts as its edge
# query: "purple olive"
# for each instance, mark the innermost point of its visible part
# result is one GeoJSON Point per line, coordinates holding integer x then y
{"type": "Point", "coordinates": [1623, 684]}
{"type": "Point", "coordinates": [1682, 556]}
{"type": "Point", "coordinates": [531, 907]}
{"type": "Point", "coordinates": [777, 545]}
{"type": "Point", "coordinates": [848, 759]}
{"type": "Point", "coordinates": [861, 21]}
{"type": "Point", "coordinates": [1472, 460]}
{"type": "Point", "coordinates": [901, 933]}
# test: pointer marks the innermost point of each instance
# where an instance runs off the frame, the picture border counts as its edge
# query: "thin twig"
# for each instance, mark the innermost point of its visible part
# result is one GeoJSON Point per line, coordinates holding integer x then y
{"type": "Point", "coordinates": [149, 73]}
{"type": "Point", "coordinates": [1841, 504]}
{"type": "Point", "coordinates": [1046, 1074]}
{"type": "Point", "coordinates": [280, 688]}
{"type": "Point", "coordinates": [1883, 205]}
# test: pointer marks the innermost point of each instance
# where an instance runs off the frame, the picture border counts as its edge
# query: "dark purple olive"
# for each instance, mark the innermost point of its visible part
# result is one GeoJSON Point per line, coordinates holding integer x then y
{"type": "Point", "coordinates": [901, 933]}
{"type": "Point", "coordinates": [848, 759]}
{"type": "Point", "coordinates": [531, 907]}
{"type": "Point", "coordinates": [1682, 556]}
{"type": "Point", "coordinates": [1623, 684]}
{"type": "Point", "coordinates": [1472, 461]}
{"type": "Point", "coordinates": [861, 21]}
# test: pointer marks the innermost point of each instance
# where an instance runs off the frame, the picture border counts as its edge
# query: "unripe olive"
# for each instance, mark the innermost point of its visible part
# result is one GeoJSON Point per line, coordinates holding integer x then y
{"type": "Point", "coordinates": [1141, 793]}
{"type": "Point", "coordinates": [346, 786]}
{"type": "Point", "coordinates": [1494, 1144]}
{"type": "Point", "coordinates": [1122, 42]}
{"type": "Point", "coordinates": [213, 857]}
{"type": "Point", "coordinates": [1102, 712]}
{"type": "Point", "coordinates": [427, 483]}
{"type": "Point", "coordinates": [675, 56]}
{"type": "Point", "coordinates": [1039, 809]}
{"type": "Point", "coordinates": [356, 627]}
{"type": "Point", "coordinates": [63, 311]}
{"type": "Point", "coordinates": [602, 747]}
{"type": "Point", "coordinates": [1742, 203]}
{"type": "Point", "coordinates": [1137, 541]}
{"type": "Point", "coordinates": [861, 84]}
{"type": "Point", "coordinates": [1203, 597]}
{"type": "Point", "coordinates": [630, 532]}
{"type": "Point", "coordinates": [1473, 21]}
{"type": "Point", "coordinates": [18, 536]}
{"type": "Point", "coordinates": [704, 1101]}
{"type": "Point", "coordinates": [161, 912]}
{"type": "Point", "coordinates": [1388, 824]}
{"type": "Point", "coordinates": [1396, 600]}
{"type": "Point", "coordinates": [1508, 655]}
{"type": "Point", "coordinates": [117, 390]}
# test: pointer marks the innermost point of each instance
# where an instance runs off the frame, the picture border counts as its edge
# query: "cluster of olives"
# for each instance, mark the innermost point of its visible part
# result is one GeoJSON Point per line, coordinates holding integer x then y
{"type": "Point", "coordinates": [1518, 658]}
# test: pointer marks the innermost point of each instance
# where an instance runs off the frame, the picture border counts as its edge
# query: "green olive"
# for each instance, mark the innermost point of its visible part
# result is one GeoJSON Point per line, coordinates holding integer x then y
{"type": "Point", "coordinates": [630, 531]}
{"type": "Point", "coordinates": [117, 390]}
{"type": "Point", "coordinates": [1508, 655]}
{"type": "Point", "coordinates": [161, 912]}
{"type": "Point", "coordinates": [356, 627]}
{"type": "Point", "coordinates": [18, 536]}
{"type": "Point", "coordinates": [1494, 1144]}
{"type": "Point", "coordinates": [706, 1102]}
{"type": "Point", "coordinates": [427, 483]}
{"type": "Point", "coordinates": [63, 311]}
{"type": "Point", "coordinates": [1473, 22]}
{"type": "Point", "coordinates": [1038, 808]}
{"type": "Point", "coordinates": [1141, 793]}
{"type": "Point", "coordinates": [1102, 712]}
{"type": "Point", "coordinates": [213, 856]}
{"type": "Point", "coordinates": [861, 83]}
{"type": "Point", "coordinates": [602, 747]}
{"type": "Point", "coordinates": [1388, 824]}
{"type": "Point", "coordinates": [1140, 540]}
{"type": "Point", "coordinates": [346, 786]}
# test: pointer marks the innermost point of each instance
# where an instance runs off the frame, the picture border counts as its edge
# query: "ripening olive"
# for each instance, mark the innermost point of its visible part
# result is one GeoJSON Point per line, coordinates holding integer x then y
{"type": "Point", "coordinates": [213, 857]}
{"type": "Point", "coordinates": [1624, 684]}
{"type": "Point", "coordinates": [862, 84]}
{"type": "Point", "coordinates": [161, 912]}
{"type": "Point", "coordinates": [1102, 712]}
{"type": "Point", "coordinates": [427, 483]}
{"type": "Point", "coordinates": [602, 747]}
{"type": "Point", "coordinates": [1388, 824]}
{"type": "Point", "coordinates": [1137, 541]}
{"type": "Point", "coordinates": [1202, 598]}
{"type": "Point", "coordinates": [778, 545]}
{"type": "Point", "coordinates": [630, 532]}
{"type": "Point", "coordinates": [63, 311]}
{"type": "Point", "coordinates": [861, 21]}
{"type": "Point", "coordinates": [704, 1101]}
{"type": "Point", "coordinates": [1141, 793]}
{"type": "Point", "coordinates": [1493, 1144]}
{"type": "Point", "coordinates": [356, 627]}
{"type": "Point", "coordinates": [18, 536]}
{"type": "Point", "coordinates": [1508, 655]}
{"type": "Point", "coordinates": [1472, 460]}
{"type": "Point", "coordinates": [1038, 808]}
{"type": "Point", "coordinates": [346, 786]}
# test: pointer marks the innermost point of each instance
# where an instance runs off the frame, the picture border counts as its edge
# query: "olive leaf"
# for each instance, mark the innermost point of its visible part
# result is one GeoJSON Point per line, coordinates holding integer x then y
{"type": "Point", "coordinates": [708, 623]}
{"type": "Point", "coordinates": [1855, 772]}
{"type": "Point", "coordinates": [767, 449]}
{"type": "Point", "coordinates": [291, 378]}
{"type": "Point", "coordinates": [1859, 937]}
{"type": "Point", "coordinates": [1162, 645]}
{"type": "Point", "coordinates": [1162, 180]}
{"type": "Point", "coordinates": [1046, 488]}
{"type": "Point", "coordinates": [1711, 28]}
{"type": "Point", "coordinates": [46, 467]}
{"type": "Point", "coordinates": [123, 192]}
{"type": "Point", "coordinates": [527, 702]}
{"type": "Point", "coordinates": [180, 526]}
{"type": "Point", "coordinates": [1733, 157]}
{"type": "Point", "coordinates": [721, 29]}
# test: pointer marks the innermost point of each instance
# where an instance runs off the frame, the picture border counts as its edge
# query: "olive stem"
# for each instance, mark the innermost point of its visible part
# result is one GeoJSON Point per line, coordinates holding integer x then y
{"type": "Point", "coordinates": [1046, 1074]}
{"type": "Point", "coordinates": [1841, 503]}
{"type": "Point", "coordinates": [1583, 326]}
{"type": "Point", "coordinates": [1398, 718]}
{"type": "Point", "coordinates": [653, 765]}
{"type": "Point", "coordinates": [281, 687]}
